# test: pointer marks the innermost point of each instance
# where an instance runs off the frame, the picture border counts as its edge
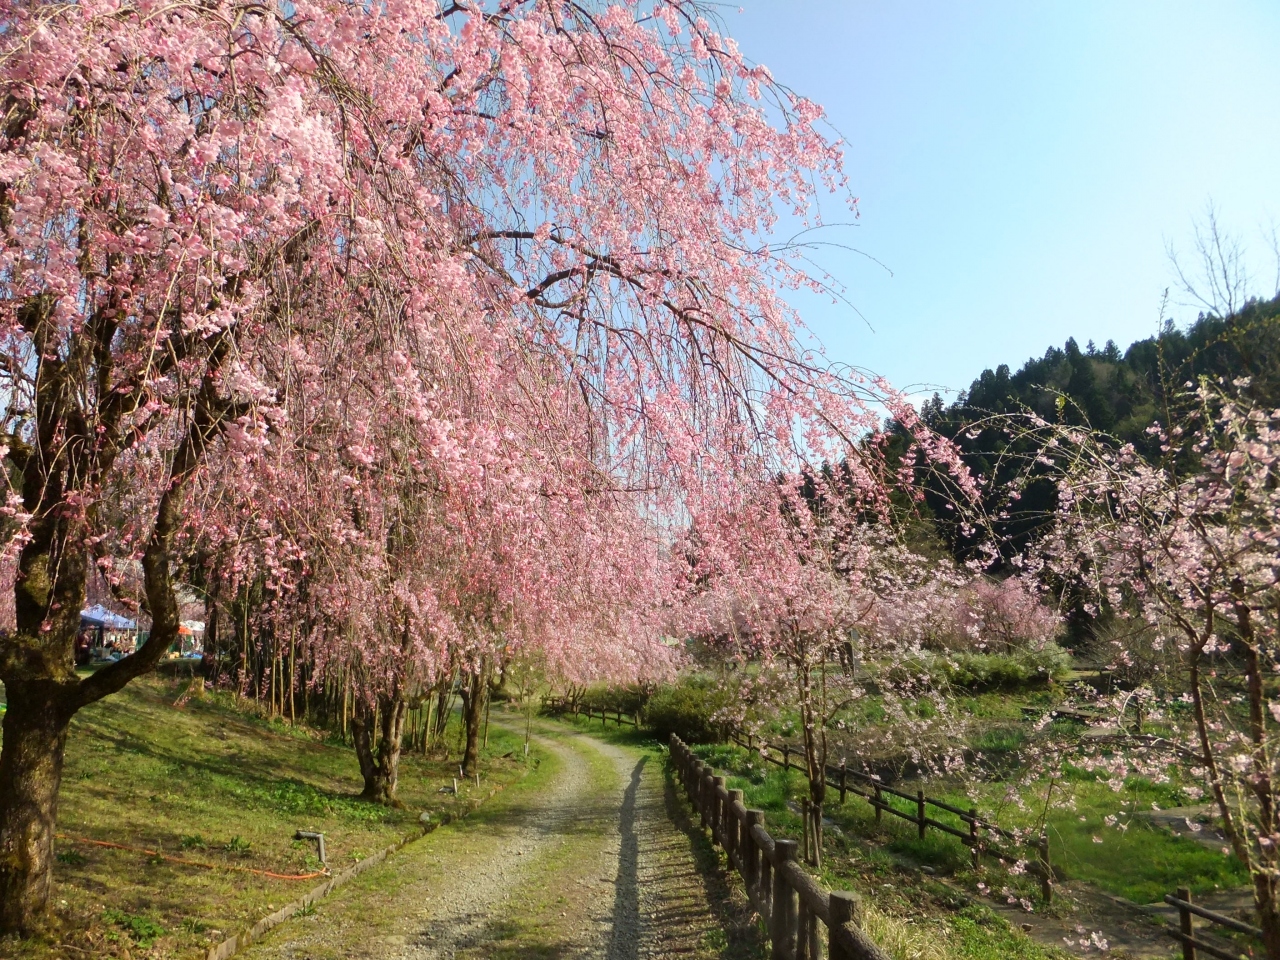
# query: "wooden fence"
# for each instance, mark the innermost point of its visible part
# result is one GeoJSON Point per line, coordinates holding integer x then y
{"type": "Point", "coordinates": [562, 705]}
{"type": "Point", "coordinates": [981, 836]}
{"type": "Point", "coordinates": [976, 835]}
{"type": "Point", "coordinates": [1185, 932]}
{"type": "Point", "coordinates": [757, 856]}
{"type": "Point", "coordinates": [795, 908]}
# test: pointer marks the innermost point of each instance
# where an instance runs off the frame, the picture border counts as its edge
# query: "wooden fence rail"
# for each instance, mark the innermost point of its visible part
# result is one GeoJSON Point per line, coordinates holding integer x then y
{"type": "Point", "coordinates": [1185, 932]}
{"type": "Point", "coordinates": [561, 705]}
{"type": "Point", "coordinates": [796, 909]}
{"type": "Point", "coordinates": [976, 836]}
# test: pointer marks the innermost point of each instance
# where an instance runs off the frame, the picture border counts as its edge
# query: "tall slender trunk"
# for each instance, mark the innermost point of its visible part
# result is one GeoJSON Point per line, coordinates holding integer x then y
{"type": "Point", "coordinates": [475, 698]}
{"type": "Point", "coordinates": [444, 696]}
{"type": "Point", "coordinates": [362, 734]}
{"type": "Point", "coordinates": [815, 750]}
{"type": "Point", "coordinates": [293, 677]}
{"type": "Point", "coordinates": [346, 706]}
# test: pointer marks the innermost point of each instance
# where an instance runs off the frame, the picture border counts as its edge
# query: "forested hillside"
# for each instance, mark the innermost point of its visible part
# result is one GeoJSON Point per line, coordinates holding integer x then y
{"type": "Point", "coordinates": [1120, 393]}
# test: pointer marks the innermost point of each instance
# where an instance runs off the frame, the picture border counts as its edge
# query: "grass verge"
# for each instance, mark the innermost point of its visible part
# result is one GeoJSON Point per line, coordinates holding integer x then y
{"type": "Point", "coordinates": [206, 781]}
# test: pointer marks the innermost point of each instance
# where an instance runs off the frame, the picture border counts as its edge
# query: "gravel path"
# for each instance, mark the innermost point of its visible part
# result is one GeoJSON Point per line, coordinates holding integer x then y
{"type": "Point", "coordinates": [580, 860]}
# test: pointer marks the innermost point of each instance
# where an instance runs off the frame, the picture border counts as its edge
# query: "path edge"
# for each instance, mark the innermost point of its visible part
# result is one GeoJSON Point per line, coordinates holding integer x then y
{"type": "Point", "coordinates": [233, 945]}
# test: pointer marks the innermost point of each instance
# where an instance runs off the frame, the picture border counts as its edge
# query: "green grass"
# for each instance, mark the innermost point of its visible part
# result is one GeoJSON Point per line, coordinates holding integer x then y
{"type": "Point", "coordinates": [979, 934]}
{"type": "Point", "coordinates": [911, 917]}
{"type": "Point", "coordinates": [1141, 863]}
{"type": "Point", "coordinates": [211, 783]}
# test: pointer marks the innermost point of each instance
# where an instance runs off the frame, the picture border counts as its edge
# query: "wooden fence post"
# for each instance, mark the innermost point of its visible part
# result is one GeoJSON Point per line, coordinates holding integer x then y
{"type": "Point", "coordinates": [717, 810]}
{"type": "Point", "coordinates": [846, 907]}
{"type": "Point", "coordinates": [707, 795]}
{"type": "Point", "coordinates": [920, 812]}
{"type": "Point", "coordinates": [786, 757]}
{"type": "Point", "coordinates": [879, 802]}
{"type": "Point", "coordinates": [733, 834]}
{"type": "Point", "coordinates": [764, 885]}
{"type": "Point", "coordinates": [751, 856]}
{"type": "Point", "coordinates": [783, 932]}
{"type": "Point", "coordinates": [843, 775]}
{"type": "Point", "coordinates": [1186, 923]}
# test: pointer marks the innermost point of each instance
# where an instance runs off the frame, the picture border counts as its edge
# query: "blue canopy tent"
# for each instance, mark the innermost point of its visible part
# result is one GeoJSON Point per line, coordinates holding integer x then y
{"type": "Point", "coordinates": [102, 621]}
{"type": "Point", "coordinates": [99, 616]}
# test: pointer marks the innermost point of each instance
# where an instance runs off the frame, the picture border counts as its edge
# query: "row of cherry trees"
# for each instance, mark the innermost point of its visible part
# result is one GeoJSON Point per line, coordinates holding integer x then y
{"type": "Point", "coordinates": [441, 338]}
{"type": "Point", "coordinates": [415, 332]}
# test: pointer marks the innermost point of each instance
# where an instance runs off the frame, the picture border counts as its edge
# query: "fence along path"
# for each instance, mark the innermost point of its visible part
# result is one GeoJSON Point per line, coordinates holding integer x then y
{"type": "Point", "coordinates": [1192, 946]}
{"type": "Point", "coordinates": [976, 837]}
{"type": "Point", "coordinates": [795, 908]}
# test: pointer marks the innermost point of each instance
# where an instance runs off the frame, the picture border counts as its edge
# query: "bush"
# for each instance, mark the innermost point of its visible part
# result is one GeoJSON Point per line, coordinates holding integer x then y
{"type": "Point", "coordinates": [687, 708]}
{"type": "Point", "coordinates": [989, 671]}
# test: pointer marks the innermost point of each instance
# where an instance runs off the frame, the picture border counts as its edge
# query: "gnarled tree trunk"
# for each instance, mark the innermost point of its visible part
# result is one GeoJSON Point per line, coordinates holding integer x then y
{"type": "Point", "coordinates": [35, 740]}
{"type": "Point", "coordinates": [363, 731]}
{"type": "Point", "coordinates": [380, 760]}
{"type": "Point", "coordinates": [392, 729]}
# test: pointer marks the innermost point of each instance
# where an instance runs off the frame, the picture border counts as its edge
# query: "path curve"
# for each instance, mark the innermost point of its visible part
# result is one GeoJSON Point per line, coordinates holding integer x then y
{"type": "Point", "coordinates": [580, 860]}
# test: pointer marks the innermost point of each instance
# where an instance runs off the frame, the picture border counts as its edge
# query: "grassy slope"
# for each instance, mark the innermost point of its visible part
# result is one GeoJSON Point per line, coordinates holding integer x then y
{"type": "Point", "coordinates": [1141, 863]}
{"type": "Point", "coordinates": [207, 782]}
{"type": "Point", "coordinates": [912, 916]}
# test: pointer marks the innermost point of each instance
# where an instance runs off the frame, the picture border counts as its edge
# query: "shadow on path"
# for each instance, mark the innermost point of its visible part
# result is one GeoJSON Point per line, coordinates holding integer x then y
{"type": "Point", "coordinates": [625, 941]}
{"type": "Point", "coordinates": [734, 913]}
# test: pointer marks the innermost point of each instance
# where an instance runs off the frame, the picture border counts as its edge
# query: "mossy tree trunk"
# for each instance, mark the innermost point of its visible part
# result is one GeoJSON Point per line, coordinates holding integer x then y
{"type": "Point", "coordinates": [35, 740]}
{"type": "Point", "coordinates": [363, 731]}
{"type": "Point", "coordinates": [378, 731]}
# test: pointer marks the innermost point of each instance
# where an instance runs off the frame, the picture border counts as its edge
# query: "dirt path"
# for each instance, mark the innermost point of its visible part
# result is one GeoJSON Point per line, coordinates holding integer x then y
{"type": "Point", "coordinates": [580, 860]}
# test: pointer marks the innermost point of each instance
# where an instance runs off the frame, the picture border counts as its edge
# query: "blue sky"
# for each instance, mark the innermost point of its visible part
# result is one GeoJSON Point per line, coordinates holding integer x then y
{"type": "Point", "coordinates": [1022, 165]}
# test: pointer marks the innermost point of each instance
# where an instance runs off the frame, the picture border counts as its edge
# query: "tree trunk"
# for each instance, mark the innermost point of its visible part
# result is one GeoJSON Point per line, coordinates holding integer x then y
{"type": "Point", "coordinates": [444, 697]}
{"type": "Point", "coordinates": [362, 733]}
{"type": "Point", "coordinates": [475, 697]}
{"type": "Point", "coordinates": [1264, 898]}
{"type": "Point", "coordinates": [388, 772]}
{"type": "Point", "coordinates": [35, 740]}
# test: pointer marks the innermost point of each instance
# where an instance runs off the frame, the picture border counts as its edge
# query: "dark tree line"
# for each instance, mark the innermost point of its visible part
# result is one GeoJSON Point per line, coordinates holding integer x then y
{"type": "Point", "coordinates": [1121, 393]}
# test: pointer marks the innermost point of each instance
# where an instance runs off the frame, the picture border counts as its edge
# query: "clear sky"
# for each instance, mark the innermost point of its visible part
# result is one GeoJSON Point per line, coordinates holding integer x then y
{"type": "Point", "coordinates": [1022, 165]}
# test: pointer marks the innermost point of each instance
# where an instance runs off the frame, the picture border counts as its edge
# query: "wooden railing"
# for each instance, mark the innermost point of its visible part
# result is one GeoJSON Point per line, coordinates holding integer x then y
{"type": "Point", "coordinates": [1185, 932]}
{"type": "Point", "coordinates": [981, 836]}
{"type": "Point", "coordinates": [562, 705]}
{"type": "Point", "coordinates": [976, 835]}
{"type": "Point", "coordinates": [795, 907]}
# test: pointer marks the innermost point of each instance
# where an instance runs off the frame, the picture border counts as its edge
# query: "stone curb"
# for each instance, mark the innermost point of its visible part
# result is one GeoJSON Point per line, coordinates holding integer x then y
{"type": "Point", "coordinates": [233, 945]}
